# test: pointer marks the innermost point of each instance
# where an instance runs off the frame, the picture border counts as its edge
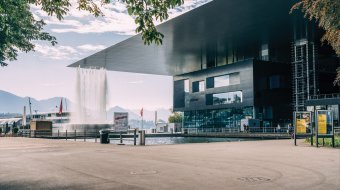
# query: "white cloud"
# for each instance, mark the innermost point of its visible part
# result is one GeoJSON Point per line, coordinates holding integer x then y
{"type": "Point", "coordinates": [60, 52]}
{"type": "Point", "coordinates": [57, 52]}
{"type": "Point", "coordinates": [90, 47]}
{"type": "Point", "coordinates": [65, 22]}
{"type": "Point", "coordinates": [116, 18]}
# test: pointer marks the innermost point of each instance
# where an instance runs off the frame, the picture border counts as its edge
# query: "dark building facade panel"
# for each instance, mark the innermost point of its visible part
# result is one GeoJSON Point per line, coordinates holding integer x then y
{"type": "Point", "coordinates": [179, 95]}
{"type": "Point", "coordinates": [197, 100]}
{"type": "Point", "coordinates": [264, 87]}
{"type": "Point", "coordinates": [273, 91]}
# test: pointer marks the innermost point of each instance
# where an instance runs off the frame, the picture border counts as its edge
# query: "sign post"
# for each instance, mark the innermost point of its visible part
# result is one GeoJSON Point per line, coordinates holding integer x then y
{"type": "Point", "coordinates": [324, 125]}
{"type": "Point", "coordinates": [121, 121]}
{"type": "Point", "coordinates": [302, 125]}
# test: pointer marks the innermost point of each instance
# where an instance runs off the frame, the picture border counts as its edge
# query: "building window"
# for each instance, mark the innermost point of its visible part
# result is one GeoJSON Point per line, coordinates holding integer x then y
{"type": "Point", "coordinates": [223, 80]}
{"type": "Point", "coordinates": [276, 81]}
{"type": "Point", "coordinates": [216, 118]}
{"type": "Point", "coordinates": [186, 85]}
{"type": "Point", "coordinates": [264, 52]}
{"type": "Point", "coordinates": [224, 98]}
{"type": "Point", "coordinates": [201, 86]}
{"type": "Point", "coordinates": [179, 94]}
{"type": "Point", "coordinates": [210, 82]}
{"type": "Point", "coordinates": [198, 86]}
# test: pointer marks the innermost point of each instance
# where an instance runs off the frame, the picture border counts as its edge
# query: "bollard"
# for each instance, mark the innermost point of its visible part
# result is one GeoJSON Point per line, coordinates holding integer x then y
{"type": "Point", "coordinates": [58, 133]}
{"type": "Point", "coordinates": [142, 138]}
{"type": "Point", "coordinates": [29, 134]}
{"type": "Point", "coordinates": [121, 138]}
{"type": "Point", "coordinates": [135, 137]}
{"type": "Point", "coordinates": [66, 135]}
{"type": "Point", "coordinates": [95, 137]}
{"type": "Point", "coordinates": [75, 135]}
{"type": "Point", "coordinates": [84, 135]}
{"type": "Point", "coordinates": [143, 132]}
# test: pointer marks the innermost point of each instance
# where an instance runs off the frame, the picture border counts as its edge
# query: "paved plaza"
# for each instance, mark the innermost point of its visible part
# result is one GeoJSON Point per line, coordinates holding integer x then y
{"type": "Point", "coordinates": [59, 164]}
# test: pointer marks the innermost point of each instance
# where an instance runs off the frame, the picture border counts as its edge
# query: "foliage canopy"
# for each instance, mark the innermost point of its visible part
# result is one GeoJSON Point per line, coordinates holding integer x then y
{"type": "Point", "coordinates": [327, 14]}
{"type": "Point", "coordinates": [18, 27]}
{"type": "Point", "coordinates": [175, 118]}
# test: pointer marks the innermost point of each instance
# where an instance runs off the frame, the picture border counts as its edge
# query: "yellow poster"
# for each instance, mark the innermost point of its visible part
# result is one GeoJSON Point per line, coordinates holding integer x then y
{"type": "Point", "coordinates": [301, 126]}
{"type": "Point", "coordinates": [322, 124]}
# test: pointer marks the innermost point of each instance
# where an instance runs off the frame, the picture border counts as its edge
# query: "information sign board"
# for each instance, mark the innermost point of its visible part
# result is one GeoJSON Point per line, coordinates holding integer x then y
{"type": "Point", "coordinates": [303, 122]}
{"type": "Point", "coordinates": [121, 121]}
{"type": "Point", "coordinates": [301, 126]}
{"type": "Point", "coordinates": [324, 122]}
{"type": "Point", "coordinates": [324, 126]}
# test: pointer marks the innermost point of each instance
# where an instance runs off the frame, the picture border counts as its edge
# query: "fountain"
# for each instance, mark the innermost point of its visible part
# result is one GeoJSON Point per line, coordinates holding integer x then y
{"type": "Point", "coordinates": [91, 100]}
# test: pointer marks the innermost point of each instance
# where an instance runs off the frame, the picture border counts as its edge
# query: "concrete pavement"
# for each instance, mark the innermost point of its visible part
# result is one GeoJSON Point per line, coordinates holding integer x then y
{"type": "Point", "coordinates": [59, 164]}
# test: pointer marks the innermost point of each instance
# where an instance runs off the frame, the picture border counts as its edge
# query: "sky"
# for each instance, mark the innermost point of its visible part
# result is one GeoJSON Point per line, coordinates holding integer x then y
{"type": "Point", "coordinates": [43, 74]}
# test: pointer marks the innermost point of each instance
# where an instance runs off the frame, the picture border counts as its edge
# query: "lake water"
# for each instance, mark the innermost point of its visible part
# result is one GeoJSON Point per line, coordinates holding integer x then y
{"type": "Point", "coordinates": [178, 140]}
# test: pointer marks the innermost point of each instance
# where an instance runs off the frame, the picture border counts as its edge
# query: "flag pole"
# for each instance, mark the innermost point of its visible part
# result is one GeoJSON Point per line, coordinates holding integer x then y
{"type": "Point", "coordinates": [142, 114]}
{"type": "Point", "coordinates": [65, 103]}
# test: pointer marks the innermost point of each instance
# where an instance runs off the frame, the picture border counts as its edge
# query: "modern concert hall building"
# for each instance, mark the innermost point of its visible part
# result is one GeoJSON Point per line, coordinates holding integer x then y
{"type": "Point", "coordinates": [232, 60]}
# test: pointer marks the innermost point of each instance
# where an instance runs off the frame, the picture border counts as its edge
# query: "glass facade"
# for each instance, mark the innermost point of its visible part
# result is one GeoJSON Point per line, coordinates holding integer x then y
{"type": "Point", "coordinates": [221, 81]}
{"type": "Point", "coordinates": [274, 82]}
{"type": "Point", "coordinates": [186, 85]}
{"type": "Point", "coordinates": [224, 98]}
{"type": "Point", "coordinates": [219, 118]}
{"type": "Point", "coordinates": [198, 86]}
{"type": "Point", "coordinates": [201, 86]}
{"type": "Point", "coordinates": [264, 52]}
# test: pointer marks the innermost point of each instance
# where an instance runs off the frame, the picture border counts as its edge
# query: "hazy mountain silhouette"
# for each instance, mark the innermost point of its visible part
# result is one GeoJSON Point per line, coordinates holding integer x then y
{"type": "Point", "coordinates": [11, 103]}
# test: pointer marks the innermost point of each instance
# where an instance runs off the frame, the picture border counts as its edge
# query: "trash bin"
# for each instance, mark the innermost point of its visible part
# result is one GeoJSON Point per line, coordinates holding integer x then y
{"type": "Point", "coordinates": [104, 137]}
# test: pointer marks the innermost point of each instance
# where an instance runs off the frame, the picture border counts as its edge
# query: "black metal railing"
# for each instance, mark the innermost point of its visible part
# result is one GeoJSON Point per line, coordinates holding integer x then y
{"type": "Point", "coordinates": [84, 135]}
{"type": "Point", "coordinates": [324, 96]}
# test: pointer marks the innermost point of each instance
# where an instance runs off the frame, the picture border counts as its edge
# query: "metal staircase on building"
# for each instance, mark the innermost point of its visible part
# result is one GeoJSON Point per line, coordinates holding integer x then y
{"type": "Point", "coordinates": [304, 73]}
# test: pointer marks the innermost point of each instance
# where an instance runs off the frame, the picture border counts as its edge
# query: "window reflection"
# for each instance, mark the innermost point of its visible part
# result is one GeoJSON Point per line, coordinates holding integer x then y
{"type": "Point", "coordinates": [221, 81]}
{"type": "Point", "coordinates": [186, 85]}
{"type": "Point", "coordinates": [220, 118]}
{"type": "Point", "coordinates": [227, 98]}
{"type": "Point", "coordinates": [198, 86]}
{"type": "Point", "coordinates": [201, 86]}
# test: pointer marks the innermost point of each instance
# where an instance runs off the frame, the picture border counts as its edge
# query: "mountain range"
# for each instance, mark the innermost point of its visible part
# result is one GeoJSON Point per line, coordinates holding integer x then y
{"type": "Point", "coordinates": [11, 103]}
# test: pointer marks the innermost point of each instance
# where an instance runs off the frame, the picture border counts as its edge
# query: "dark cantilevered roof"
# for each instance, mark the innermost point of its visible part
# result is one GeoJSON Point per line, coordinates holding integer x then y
{"type": "Point", "coordinates": [244, 22]}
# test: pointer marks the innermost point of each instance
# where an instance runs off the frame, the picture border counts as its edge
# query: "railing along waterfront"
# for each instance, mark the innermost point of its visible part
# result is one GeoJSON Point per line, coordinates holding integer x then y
{"type": "Point", "coordinates": [324, 96]}
{"type": "Point", "coordinates": [282, 130]}
{"type": "Point", "coordinates": [75, 135]}
{"type": "Point", "coordinates": [94, 136]}
{"type": "Point", "coordinates": [67, 135]}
